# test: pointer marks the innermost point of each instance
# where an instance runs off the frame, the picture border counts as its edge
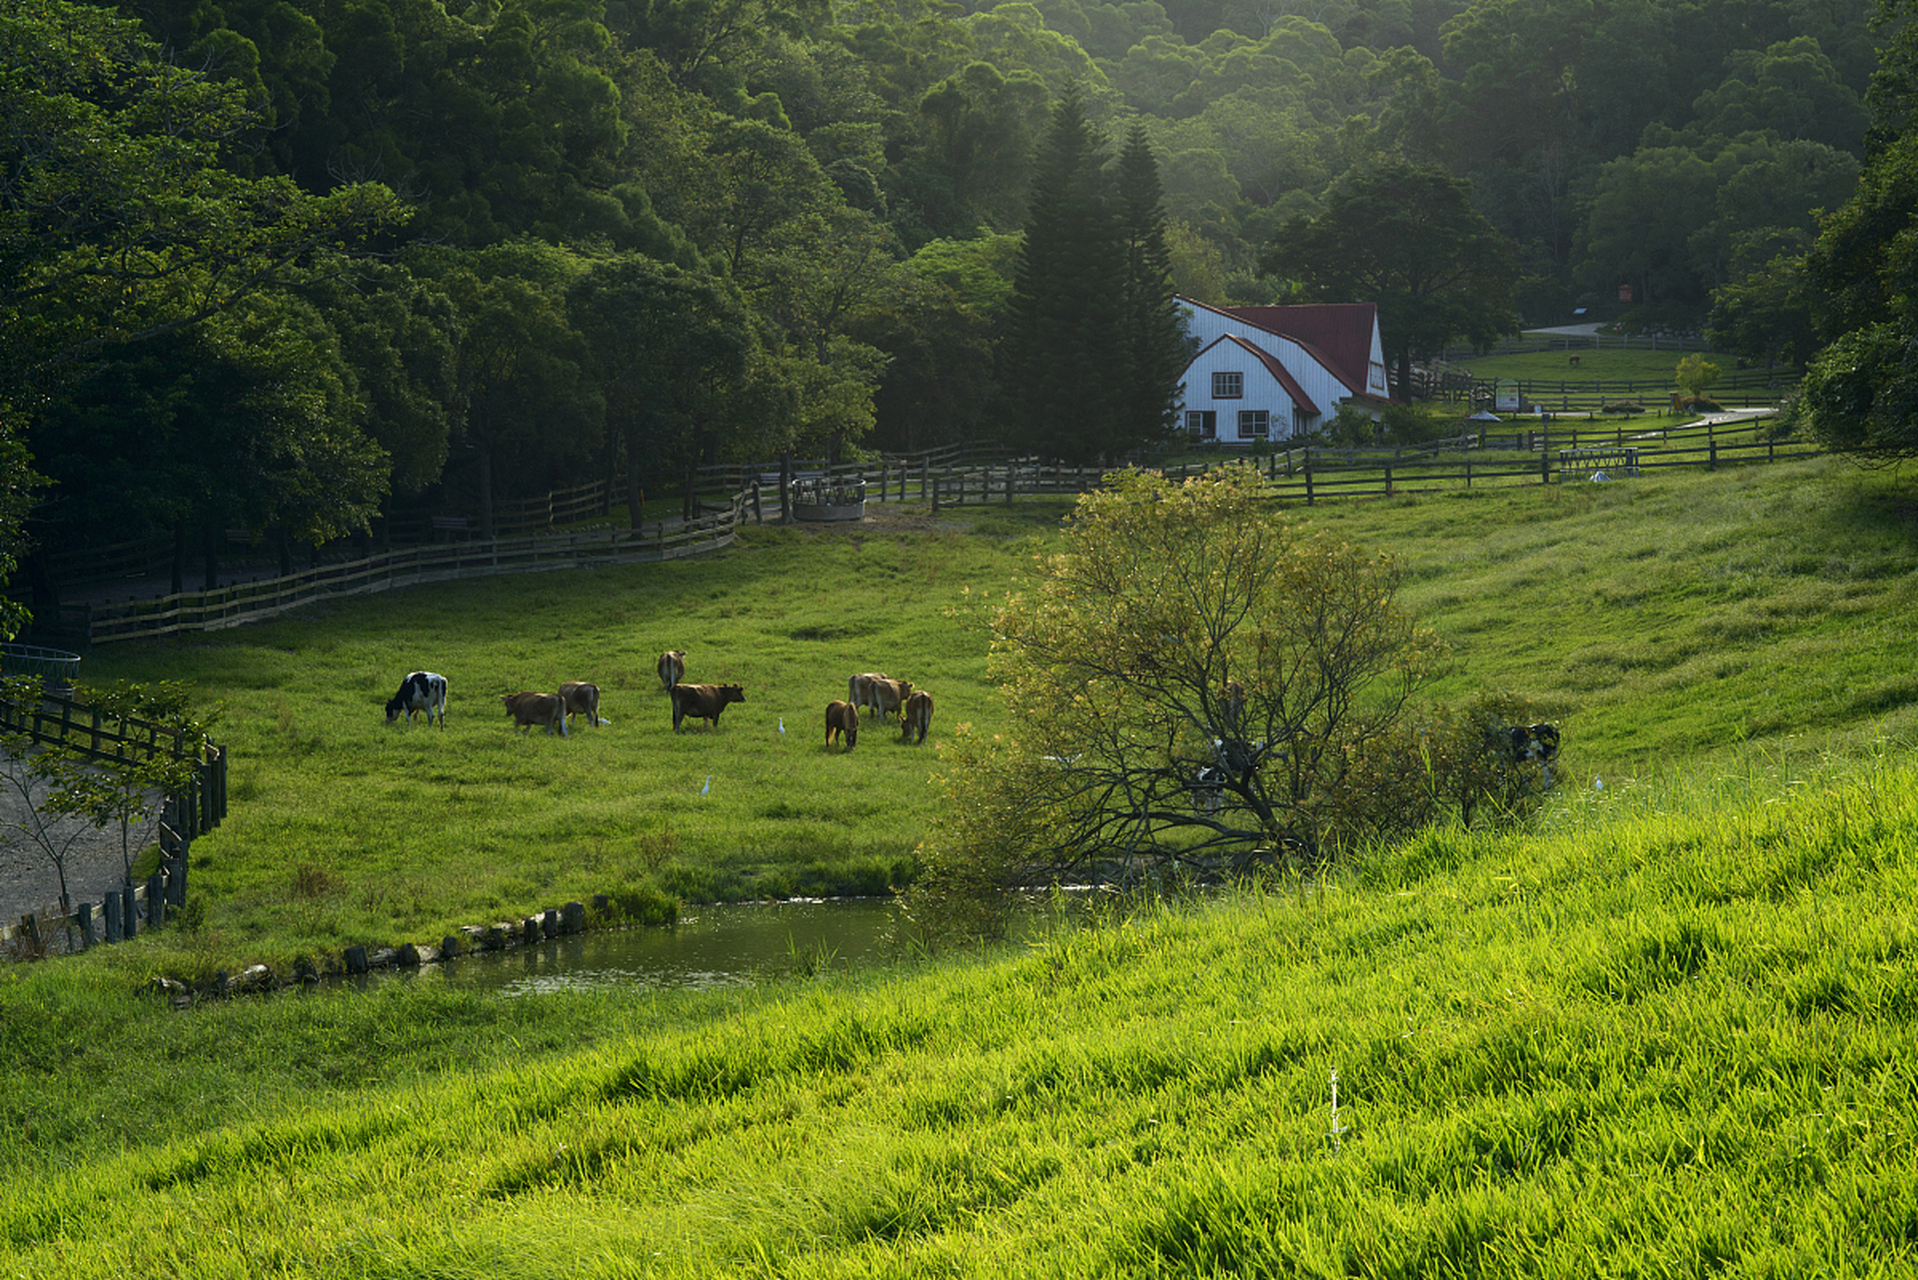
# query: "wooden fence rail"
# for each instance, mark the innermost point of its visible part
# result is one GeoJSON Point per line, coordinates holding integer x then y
{"type": "Point", "coordinates": [191, 811]}
{"type": "Point", "coordinates": [243, 602]}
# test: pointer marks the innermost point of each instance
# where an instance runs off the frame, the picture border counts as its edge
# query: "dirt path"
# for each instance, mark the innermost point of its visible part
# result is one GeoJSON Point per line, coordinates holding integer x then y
{"type": "Point", "coordinates": [28, 879]}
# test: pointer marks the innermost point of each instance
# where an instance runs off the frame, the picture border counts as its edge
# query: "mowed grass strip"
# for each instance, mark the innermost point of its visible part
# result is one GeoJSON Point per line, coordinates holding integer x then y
{"type": "Point", "coordinates": [1669, 1033]}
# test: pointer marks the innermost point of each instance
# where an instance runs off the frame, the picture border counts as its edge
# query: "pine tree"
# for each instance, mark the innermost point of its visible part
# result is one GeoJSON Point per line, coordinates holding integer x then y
{"type": "Point", "coordinates": [1154, 347]}
{"type": "Point", "coordinates": [1059, 358]}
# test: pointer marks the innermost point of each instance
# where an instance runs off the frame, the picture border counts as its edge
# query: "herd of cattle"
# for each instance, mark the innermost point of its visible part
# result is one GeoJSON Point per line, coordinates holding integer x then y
{"type": "Point", "coordinates": [424, 693]}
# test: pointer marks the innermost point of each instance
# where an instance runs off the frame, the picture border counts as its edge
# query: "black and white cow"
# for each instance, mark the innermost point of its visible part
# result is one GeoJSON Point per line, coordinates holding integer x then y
{"type": "Point", "coordinates": [1534, 743]}
{"type": "Point", "coordinates": [420, 691]}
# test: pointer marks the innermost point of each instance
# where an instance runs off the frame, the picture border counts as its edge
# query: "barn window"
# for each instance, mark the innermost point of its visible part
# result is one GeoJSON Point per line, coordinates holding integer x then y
{"type": "Point", "coordinates": [1254, 424]}
{"type": "Point", "coordinates": [1201, 424]}
{"type": "Point", "coordinates": [1228, 386]}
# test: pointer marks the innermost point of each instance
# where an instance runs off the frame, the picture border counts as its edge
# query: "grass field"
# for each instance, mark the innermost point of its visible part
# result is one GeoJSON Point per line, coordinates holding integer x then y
{"type": "Point", "coordinates": [1661, 620]}
{"type": "Point", "coordinates": [1667, 1031]}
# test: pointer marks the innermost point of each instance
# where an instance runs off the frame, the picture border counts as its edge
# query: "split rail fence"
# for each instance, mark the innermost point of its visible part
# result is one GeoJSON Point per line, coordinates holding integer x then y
{"type": "Point", "coordinates": [953, 477]}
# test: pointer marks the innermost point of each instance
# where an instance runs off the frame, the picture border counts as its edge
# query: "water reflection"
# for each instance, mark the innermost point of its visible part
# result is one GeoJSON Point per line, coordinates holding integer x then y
{"type": "Point", "coordinates": [712, 946]}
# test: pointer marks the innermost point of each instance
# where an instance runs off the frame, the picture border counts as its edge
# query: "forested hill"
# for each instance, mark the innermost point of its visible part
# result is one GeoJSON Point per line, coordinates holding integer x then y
{"type": "Point", "coordinates": [387, 248]}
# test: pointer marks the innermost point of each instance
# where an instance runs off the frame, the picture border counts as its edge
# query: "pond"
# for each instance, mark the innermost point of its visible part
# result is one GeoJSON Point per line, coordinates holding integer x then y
{"type": "Point", "coordinates": [711, 946]}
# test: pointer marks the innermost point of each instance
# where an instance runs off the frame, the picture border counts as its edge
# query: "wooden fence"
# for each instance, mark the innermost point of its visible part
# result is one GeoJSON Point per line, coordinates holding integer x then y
{"type": "Point", "coordinates": [243, 602]}
{"type": "Point", "coordinates": [191, 811]}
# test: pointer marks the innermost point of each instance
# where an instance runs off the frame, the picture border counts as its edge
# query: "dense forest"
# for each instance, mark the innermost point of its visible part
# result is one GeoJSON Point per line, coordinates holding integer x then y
{"type": "Point", "coordinates": [282, 264]}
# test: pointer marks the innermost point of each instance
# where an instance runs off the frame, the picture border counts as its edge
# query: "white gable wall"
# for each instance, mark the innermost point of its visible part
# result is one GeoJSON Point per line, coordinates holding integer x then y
{"type": "Point", "coordinates": [1259, 391]}
{"type": "Point", "coordinates": [1326, 390]}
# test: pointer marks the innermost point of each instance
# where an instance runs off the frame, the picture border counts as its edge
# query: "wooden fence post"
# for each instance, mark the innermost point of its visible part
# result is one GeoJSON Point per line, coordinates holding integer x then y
{"type": "Point", "coordinates": [1308, 476]}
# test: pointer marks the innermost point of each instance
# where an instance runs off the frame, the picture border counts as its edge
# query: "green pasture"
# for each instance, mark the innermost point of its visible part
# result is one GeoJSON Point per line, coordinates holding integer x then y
{"type": "Point", "coordinates": [1663, 621]}
{"type": "Point", "coordinates": [1669, 1032]}
{"type": "Point", "coordinates": [1609, 364]}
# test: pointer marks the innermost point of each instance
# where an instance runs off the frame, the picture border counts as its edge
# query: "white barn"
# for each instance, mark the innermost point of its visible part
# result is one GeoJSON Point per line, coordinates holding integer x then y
{"type": "Point", "coordinates": [1269, 373]}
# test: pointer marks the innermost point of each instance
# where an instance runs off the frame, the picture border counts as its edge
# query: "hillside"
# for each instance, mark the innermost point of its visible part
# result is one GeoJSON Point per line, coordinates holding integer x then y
{"type": "Point", "coordinates": [1669, 1033]}
{"type": "Point", "coordinates": [1665, 623]}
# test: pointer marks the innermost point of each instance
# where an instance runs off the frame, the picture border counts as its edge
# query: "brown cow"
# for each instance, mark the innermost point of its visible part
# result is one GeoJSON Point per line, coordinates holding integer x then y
{"type": "Point", "coordinates": [842, 718]}
{"type": "Point", "coordinates": [859, 688]}
{"type": "Point", "coordinates": [704, 701]}
{"type": "Point", "coordinates": [581, 699]}
{"type": "Point", "coordinates": [528, 709]}
{"type": "Point", "coordinates": [916, 716]}
{"type": "Point", "coordinates": [888, 696]}
{"type": "Point", "coordinates": [672, 668]}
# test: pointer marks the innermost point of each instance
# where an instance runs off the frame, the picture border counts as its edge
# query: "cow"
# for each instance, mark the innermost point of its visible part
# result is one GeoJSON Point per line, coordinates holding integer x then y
{"type": "Point", "coordinates": [842, 718]}
{"type": "Point", "coordinates": [916, 716]}
{"type": "Point", "coordinates": [888, 696]}
{"type": "Point", "coordinates": [420, 691]}
{"type": "Point", "coordinates": [1534, 743]}
{"type": "Point", "coordinates": [703, 701]}
{"type": "Point", "coordinates": [581, 699]}
{"type": "Point", "coordinates": [528, 709]}
{"type": "Point", "coordinates": [859, 688]}
{"type": "Point", "coordinates": [672, 668]}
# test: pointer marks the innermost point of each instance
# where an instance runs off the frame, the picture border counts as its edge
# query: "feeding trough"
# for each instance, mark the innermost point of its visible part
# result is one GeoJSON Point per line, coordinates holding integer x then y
{"type": "Point", "coordinates": [823, 498]}
{"type": "Point", "coordinates": [56, 669]}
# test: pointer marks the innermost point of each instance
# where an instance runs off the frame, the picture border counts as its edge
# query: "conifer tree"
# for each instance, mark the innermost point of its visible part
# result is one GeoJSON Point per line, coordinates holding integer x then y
{"type": "Point", "coordinates": [1060, 356]}
{"type": "Point", "coordinates": [1153, 343]}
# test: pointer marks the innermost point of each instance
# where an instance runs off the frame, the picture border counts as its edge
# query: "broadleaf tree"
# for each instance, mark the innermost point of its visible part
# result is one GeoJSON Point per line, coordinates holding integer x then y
{"type": "Point", "coordinates": [1405, 236]}
{"type": "Point", "coordinates": [1860, 395]}
{"type": "Point", "coordinates": [1194, 683]}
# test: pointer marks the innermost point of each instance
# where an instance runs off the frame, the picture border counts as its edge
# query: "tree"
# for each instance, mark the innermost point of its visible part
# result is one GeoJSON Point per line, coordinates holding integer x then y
{"type": "Point", "coordinates": [120, 220]}
{"type": "Point", "coordinates": [1154, 347]}
{"type": "Point", "coordinates": [1193, 683]}
{"type": "Point", "coordinates": [1860, 395]}
{"type": "Point", "coordinates": [1695, 374]}
{"type": "Point", "coordinates": [1057, 353]}
{"type": "Point", "coordinates": [669, 347]}
{"type": "Point", "coordinates": [1092, 297]}
{"type": "Point", "coordinates": [1405, 236]}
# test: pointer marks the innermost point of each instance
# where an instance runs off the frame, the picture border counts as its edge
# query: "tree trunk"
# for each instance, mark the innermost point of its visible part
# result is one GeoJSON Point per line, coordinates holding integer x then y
{"type": "Point", "coordinates": [635, 496]}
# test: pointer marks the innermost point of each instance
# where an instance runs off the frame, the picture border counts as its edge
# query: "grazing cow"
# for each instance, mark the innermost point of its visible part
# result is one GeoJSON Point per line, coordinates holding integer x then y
{"type": "Point", "coordinates": [859, 688]}
{"type": "Point", "coordinates": [916, 716]}
{"type": "Point", "coordinates": [1534, 743]}
{"type": "Point", "coordinates": [528, 709]}
{"type": "Point", "coordinates": [420, 691]}
{"type": "Point", "coordinates": [888, 696]}
{"type": "Point", "coordinates": [581, 699]}
{"type": "Point", "coordinates": [1574, 362]}
{"type": "Point", "coordinates": [842, 718]}
{"type": "Point", "coordinates": [672, 668]}
{"type": "Point", "coordinates": [703, 701]}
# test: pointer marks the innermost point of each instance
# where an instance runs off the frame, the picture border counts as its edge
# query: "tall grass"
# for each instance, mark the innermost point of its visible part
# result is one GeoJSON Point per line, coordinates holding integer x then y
{"type": "Point", "coordinates": [1669, 1034]}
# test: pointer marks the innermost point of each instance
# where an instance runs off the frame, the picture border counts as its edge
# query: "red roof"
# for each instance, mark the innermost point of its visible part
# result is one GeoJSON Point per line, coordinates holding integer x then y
{"type": "Point", "coordinates": [1338, 333]}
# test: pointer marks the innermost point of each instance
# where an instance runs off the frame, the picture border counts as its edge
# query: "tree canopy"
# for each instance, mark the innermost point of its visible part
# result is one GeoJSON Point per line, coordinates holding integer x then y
{"type": "Point", "coordinates": [1403, 235]}
{"type": "Point", "coordinates": [371, 180]}
{"type": "Point", "coordinates": [1861, 393]}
